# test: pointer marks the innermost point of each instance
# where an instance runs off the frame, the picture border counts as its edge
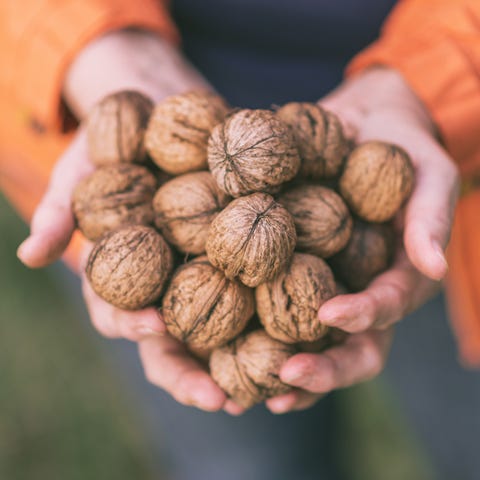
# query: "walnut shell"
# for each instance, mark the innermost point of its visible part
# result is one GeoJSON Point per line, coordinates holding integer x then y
{"type": "Point", "coordinates": [178, 131]}
{"type": "Point", "coordinates": [320, 139]}
{"type": "Point", "coordinates": [252, 151]}
{"type": "Point", "coordinates": [253, 239]}
{"type": "Point", "coordinates": [247, 368]}
{"type": "Point", "coordinates": [204, 309]}
{"type": "Point", "coordinates": [128, 267]}
{"type": "Point", "coordinates": [116, 127]}
{"type": "Point", "coordinates": [368, 253]}
{"type": "Point", "coordinates": [288, 304]}
{"type": "Point", "coordinates": [112, 197]}
{"type": "Point", "coordinates": [377, 179]}
{"type": "Point", "coordinates": [322, 220]}
{"type": "Point", "coordinates": [185, 207]}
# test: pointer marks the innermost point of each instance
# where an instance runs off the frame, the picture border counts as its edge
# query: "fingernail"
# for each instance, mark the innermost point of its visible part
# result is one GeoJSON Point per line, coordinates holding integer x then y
{"type": "Point", "coordinates": [148, 332]}
{"type": "Point", "coordinates": [332, 321]}
{"type": "Point", "coordinates": [291, 377]}
{"type": "Point", "coordinates": [202, 400]}
{"type": "Point", "coordinates": [279, 409]}
{"type": "Point", "coordinates": [22, 249]}
{"type": "Point", "coordinates": [441, 255]}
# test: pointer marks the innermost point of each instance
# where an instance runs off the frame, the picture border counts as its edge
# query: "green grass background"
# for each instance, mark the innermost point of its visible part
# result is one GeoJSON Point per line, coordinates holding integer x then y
{"type": "Point", "coordinates": [61, 409]}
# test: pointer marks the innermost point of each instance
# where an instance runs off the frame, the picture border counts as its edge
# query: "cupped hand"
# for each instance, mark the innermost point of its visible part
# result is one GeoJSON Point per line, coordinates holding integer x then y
{"type": "Point", "coordinates": [378, 105]}
{"type": "Point", "coordinates": [120, 60]}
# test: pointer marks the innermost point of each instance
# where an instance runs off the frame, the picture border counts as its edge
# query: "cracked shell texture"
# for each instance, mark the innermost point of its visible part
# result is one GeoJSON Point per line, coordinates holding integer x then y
{"type": "Point", "coordinates": [112, 197]}
{"type": "Point", "coordinates": [129, 267]}
{"type": "Point", "coordinates": [252, 151]}
{"type": "Point", "coordinates": [247, 369]}
{"type": "Point", "coordinates": [322, 220]}
{"type": "Point", "coordinates": [319, 137]}
{"type": "Point", "coordinates": [288, 304]}
{"type": "Point", "coordinates": [178, 131]}
{"type": "Point", "coordinates": [377, 179]}
{"type": "Point", "coordinates": [368, 253]}
{"type": "Point", "coordinates": [116, 128]}
{"type": "Point", "coordinates": [253, 239]}
{"type": "Point", "coordinates": [185, 207]}
{"type": "Point", "coordinates": [204, 309]}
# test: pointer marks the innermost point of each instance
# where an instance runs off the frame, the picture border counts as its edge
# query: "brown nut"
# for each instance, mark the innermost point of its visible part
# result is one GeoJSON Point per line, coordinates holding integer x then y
{"type": "Point", "coordinates": [247, 368]}
{"type": "Point", "coordinates": [288, 305]}
{"type": "Point", "coordinates": [112, 197]}
{"type": "Point", "coordinates": [178, 131]}
{"type": "Point", "coordinates": [322, 220]}
{"type": "Point", "coordinates": [204, 309]}
{"type": "Point", "coordinates": [253, 239]}
{"type": "Point", "coordinates": [252, 151]}
{"type": "Point", "coordinates": [128, 267]}
{"type": "Point", "coordinates": [368, 253]}
{"type": "Point", "coordinates": [319, 136]}
{"type": "Point", "coordinates": [116, 127]}
{"type": "Point", "coordinates": [377, 179]}
{"type": "Point", "coordinates": [185, 207]}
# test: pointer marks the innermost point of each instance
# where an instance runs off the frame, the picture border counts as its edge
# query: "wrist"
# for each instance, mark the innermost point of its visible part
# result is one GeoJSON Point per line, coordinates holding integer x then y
{"type": "Point", "coordinates": [127, 59]}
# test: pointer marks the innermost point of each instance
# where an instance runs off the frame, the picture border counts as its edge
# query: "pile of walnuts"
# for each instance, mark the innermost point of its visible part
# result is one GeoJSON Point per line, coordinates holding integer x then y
{"type": "Point", "coordinates": [236, 224]}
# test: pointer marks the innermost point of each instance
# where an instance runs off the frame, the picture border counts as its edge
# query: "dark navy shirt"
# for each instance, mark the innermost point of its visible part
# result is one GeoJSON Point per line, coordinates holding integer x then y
{"type": "Point", "coordinates": [263, 52]}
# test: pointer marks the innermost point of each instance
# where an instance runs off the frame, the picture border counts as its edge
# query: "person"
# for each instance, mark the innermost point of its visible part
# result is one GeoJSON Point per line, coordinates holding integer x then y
{"type": "Point", "coordinates": [415, 86]}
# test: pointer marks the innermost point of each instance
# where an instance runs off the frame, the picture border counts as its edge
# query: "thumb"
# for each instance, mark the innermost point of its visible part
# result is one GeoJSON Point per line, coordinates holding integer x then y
{"type": "Point", "coordinates": [429, 215]}
{"type": "Point", "coordinates": [53, 223]}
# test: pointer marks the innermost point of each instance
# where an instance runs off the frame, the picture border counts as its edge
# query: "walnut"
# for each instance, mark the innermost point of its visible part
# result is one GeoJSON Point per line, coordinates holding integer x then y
{"type": "Point", "coordinates": [322, 220]}
{"type": "Point", "coordinates": [128, 267]}
{"type": "Point", "coordinates": [377, 179]}
{"type": "Point", "coordinates": [116, 127]}
{"type": "Point", "coordinates": [247, 368]}
{"type": "Point", "coordinates": [288, 304]}
{"type": "Point", "coordinates": [113, 196]}
{"type": "Point", "coordinates": [253, 238]}
{"type": "Point", "coordinates": [320, 139]}
{"type": "Point", "coordinates": [204, 309]}
{"type": "Point", "coordinates": [178, 131]}
{"type": "Point", "coordinates": [185, 207]}
{"type": "Point", "coordinates": [252, 151]}
{"type": "Point", "coordinates": [368, 253]}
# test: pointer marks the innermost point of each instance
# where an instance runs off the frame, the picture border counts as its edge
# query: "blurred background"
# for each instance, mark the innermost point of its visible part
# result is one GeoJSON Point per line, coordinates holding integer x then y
{"type": "Point", "coordinates": [66, 413]}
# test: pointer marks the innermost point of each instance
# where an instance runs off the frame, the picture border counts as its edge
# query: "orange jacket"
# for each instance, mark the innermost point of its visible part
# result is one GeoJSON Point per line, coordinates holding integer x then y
{"type": "Point", "coordinates": [435, 44]}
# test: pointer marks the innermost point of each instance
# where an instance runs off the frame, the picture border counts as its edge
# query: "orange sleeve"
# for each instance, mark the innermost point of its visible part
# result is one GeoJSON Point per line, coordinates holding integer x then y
{"type": "Point", "coordinates": [435, 44]}
{"type": "Point", "coordinates": [38, 40]}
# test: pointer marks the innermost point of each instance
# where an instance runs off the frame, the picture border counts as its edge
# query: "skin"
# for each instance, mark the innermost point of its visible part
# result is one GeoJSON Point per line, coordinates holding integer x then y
{"type": "Point", "coordinates": [376, 104]}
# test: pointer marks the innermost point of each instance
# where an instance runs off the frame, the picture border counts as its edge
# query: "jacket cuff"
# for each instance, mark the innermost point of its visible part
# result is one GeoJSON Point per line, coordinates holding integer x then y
{"type": "Point", "coordinates": [53, 40]}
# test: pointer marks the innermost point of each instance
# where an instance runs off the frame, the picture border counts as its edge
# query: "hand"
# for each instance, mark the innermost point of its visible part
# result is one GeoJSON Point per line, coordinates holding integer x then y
{"type": "Point", "coordinates": [379, 105]}
{"type": "Point", "coordinates": [118, 61]}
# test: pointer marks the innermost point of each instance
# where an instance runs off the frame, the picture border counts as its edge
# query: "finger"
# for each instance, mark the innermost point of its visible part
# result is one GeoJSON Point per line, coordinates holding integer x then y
{"type": "Point", "coordinates": [112, 322]}
{"type": "Point", "coordinates": [429, 214]}
{"type": "Point", "coordinates": [389, 298]}
{"type": "Point", "coordinates": [232, 408]}
{"type": "Point", "coordinates": [53, 224]}
{"type": "Point", "coordinates": [360, 358]}
{"type": "Point", "coordinates": [168, 366]}
{"type": "Point", "coordinates": [292, 401]}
